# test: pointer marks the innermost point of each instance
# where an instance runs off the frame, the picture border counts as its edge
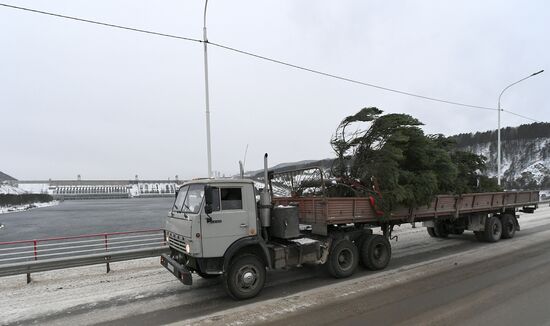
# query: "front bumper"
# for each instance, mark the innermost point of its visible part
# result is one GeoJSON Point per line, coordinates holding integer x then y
{"type": "Point", "coordinates": [179, 271]}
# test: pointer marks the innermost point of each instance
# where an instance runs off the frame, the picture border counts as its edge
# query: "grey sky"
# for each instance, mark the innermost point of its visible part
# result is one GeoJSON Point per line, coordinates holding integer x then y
{"type": "Point", "coordinates": [84, 99]}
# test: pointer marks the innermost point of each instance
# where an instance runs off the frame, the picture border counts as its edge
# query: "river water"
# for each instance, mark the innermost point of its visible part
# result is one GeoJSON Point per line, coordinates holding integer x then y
{"type": "Point", "coordinates": [75, 217]}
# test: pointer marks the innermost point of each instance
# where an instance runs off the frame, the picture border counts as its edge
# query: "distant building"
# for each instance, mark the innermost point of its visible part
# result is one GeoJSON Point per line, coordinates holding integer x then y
{"type": "Point", "coordinates": [101, 189]}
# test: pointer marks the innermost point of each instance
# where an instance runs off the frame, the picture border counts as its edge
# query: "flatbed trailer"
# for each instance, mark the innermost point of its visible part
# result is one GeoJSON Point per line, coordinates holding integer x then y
{"type": "Point", "coordinates": [320, 212]}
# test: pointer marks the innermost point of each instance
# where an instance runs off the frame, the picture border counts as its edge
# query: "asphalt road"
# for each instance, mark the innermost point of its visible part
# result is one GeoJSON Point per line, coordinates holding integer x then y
{"type": "Point", "coordinates": [512, 289]}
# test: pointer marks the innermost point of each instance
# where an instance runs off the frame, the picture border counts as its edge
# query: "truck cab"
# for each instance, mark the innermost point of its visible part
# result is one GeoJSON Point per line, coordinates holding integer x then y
{"type": "Point", "coordinates": [211, 221]}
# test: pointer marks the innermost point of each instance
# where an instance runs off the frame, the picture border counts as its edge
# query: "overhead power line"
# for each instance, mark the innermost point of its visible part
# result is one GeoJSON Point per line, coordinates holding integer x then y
{"type": "Point", "coordinates": [261, 57]}
{"type": "Point", "coordinates": [519, 115]}
{"type": "Point", "coordinates": [101, 23]}
{"type": "Point", "coordinates": [349, 79]}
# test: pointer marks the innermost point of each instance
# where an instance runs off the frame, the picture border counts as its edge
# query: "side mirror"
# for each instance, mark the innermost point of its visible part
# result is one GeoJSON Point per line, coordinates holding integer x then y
{"type": "Point", "coordinates": [208, 199]}
{"type": "Point", "coordinates": [177, 192]}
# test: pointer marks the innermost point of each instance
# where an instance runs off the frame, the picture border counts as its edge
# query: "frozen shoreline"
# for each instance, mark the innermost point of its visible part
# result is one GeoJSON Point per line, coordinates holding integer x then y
{"type": "Point", "coordinates": [26, 207]}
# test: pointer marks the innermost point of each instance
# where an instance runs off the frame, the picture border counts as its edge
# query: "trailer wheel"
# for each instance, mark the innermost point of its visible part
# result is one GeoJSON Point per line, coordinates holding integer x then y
{"type": "Point", "coordinates": [493, 229]}
{"type": "Point", "coordinates": [245, 277]}
{"type": "Point", "coordinates": [440, 230]}
{"type": "Point", "coordinates": [376, 252]}
{"type": "Point", "coordinates": [343, 259]}
{"type": "Point", "coordinates": [431, 232]}
{"type": "Point", "coordinates": [508, 226]}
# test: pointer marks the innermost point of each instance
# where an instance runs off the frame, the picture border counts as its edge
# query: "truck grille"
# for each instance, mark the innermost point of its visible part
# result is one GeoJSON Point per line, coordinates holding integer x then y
{"type": "Point", "coordinates": [176, 241]}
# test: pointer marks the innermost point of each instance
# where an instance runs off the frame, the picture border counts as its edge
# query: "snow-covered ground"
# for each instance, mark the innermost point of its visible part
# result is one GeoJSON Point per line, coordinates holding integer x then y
{"type": "Point", "coordinates": [11, 190]}
{"type": "Point", "coordinates": [26, 207]}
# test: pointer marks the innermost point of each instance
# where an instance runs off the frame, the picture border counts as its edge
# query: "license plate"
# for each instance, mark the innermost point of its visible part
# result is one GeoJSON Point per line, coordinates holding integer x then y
{"type": "Point", "coordinates": [170, 267]}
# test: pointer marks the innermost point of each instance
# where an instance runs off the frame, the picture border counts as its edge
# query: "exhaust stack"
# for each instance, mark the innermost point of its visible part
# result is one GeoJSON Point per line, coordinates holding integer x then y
{"type": "Point", "coordinates": [265, 199]}
{"type": "Point", "coordinates": [241, 168]}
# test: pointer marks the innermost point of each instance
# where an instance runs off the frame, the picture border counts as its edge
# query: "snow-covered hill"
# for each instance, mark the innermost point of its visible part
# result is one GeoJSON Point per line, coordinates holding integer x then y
{"type": "Point", "coordinates": [525, 154]}
{"type": "Point", "coordinates": [10, 190]}
{"type": "Point", "coordinates": [524, 161]}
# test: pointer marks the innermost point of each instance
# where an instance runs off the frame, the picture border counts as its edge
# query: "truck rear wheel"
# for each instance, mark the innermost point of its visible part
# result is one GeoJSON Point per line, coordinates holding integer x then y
{"type": "Point", "coordinates": [376, 252]}
{"type": "Point", "coordinates": [493, 229]}
{"type": "Point", "coordinates": [245, 277]}
{"type": "Point", "coordinates": [343, 259]}
{"type": "Point", "coordinates": [508, 226]}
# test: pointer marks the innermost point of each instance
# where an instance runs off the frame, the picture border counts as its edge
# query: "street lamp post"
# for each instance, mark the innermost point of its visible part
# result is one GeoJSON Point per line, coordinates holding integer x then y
{"type": "Point", "coordinates": [205, 43]}
{"type": "Point", "coordinates": [498, 131]}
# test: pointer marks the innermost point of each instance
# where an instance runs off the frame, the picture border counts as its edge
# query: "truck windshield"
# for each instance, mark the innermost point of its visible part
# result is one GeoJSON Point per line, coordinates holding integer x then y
{"type": "Point", "coordinates": [189, 199]}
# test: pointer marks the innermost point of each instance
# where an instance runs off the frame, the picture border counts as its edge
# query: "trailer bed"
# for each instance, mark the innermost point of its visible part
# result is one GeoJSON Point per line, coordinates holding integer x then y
{"type": "Point", "coordinates": [344, 210]}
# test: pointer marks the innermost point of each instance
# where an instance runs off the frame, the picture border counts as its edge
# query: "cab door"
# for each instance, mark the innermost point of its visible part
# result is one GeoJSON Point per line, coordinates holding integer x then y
{"type": "Point", "coordinates": [228, 221]}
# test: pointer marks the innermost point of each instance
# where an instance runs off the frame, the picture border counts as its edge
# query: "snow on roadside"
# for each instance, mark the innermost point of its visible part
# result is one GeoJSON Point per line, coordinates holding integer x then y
{"type": "Point", "coordinates": [56, 291]}
{"type": "Point", "coordinates": [26, 207]}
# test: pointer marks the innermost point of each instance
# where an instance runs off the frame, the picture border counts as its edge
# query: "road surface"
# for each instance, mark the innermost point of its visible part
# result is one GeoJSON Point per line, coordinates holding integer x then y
{"type": "Point", "coordinates": [429, 281]}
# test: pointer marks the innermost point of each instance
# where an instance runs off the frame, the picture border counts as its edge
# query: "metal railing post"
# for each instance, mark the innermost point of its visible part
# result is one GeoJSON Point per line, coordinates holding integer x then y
{"type": "Point", "coordinates": [35, 253]}
{"type": "Point", "coordinates": [106, 249]}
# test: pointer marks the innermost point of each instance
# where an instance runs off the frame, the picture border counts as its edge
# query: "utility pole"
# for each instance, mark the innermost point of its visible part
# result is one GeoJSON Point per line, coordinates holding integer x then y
{"type": "Point", "coordinates": [205, 43]}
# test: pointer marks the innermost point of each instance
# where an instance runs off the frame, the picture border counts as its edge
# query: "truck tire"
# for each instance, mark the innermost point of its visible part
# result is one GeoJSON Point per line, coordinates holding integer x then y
{"type": "Point", "coordinates": [493, 229]}
{"type": "Point", "coordinates": [508, 226]}
{"type": "Point", "coordinates": [245, 277]}
{"type": "Point", "coordinates": [431, 232]}
{"type": "Point", "coordinates": [440, 230]}
{"type": "Point", "coordinates": [376, 252]}
{"type": "Point", "coordinates": [343, 259]}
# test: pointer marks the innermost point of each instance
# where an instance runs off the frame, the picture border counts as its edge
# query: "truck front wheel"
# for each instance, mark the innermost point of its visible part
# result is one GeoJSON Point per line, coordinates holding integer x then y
{"type": "Point", "coordinates": [343, 259]}
{"type": "Point", "coordinates": [245, 277]}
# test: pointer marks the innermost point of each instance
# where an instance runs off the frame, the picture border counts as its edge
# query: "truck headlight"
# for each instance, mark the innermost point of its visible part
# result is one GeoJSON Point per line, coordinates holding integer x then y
{"type": "Point", "coordinates": [187, 248]}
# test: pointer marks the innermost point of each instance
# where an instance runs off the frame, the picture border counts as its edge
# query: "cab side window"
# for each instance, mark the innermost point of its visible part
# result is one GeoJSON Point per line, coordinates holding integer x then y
{"type": "Point", "coordinates": [231, 198]}
{"type": "Point", "coordinates": [215, 199]}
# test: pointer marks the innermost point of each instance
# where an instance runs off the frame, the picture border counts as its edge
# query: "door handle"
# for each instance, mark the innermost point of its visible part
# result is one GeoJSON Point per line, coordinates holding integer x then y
{"type": "Point", "coordinates": [244, 225]}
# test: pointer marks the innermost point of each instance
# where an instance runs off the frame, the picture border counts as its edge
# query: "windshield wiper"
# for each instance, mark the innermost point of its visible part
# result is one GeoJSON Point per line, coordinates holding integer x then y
{"type": "Point", "coordinates": [187, 207]}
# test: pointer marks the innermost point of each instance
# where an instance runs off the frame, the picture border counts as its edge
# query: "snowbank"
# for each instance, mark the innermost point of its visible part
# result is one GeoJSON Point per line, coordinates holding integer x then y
{"type": "Point", "coordinates": [26, 207]}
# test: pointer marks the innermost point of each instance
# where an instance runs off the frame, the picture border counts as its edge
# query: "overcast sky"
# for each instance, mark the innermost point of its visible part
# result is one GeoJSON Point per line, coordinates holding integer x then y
{"type": "Point", "coordinates": [77, 98]}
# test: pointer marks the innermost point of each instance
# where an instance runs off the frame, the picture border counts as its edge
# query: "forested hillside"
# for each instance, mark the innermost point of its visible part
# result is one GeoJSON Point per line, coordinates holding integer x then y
{"type": "Point", "coordinates": [525, 154]}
